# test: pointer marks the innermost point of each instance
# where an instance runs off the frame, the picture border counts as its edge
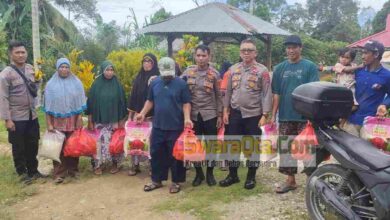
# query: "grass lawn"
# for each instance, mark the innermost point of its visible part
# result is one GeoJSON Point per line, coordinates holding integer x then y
{"type": "Point", "coordinates": [202, 200]}
{"type": "Point", "coordinates": [4, 133]}
{"type": "Point", "coordinates": [11, 190]}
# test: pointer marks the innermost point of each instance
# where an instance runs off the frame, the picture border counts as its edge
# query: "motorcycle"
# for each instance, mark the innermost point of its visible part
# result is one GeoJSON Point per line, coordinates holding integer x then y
{"type": "Point", "coordinates": [357, 186]}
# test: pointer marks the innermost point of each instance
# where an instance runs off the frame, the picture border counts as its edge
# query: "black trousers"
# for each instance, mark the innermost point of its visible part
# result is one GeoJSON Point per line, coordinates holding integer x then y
{"type": "Point", "coordinates": [24, 141]}
{"type": "Point", "coordinates": [243, 126]}
{"type": "Point", "coordinates": [161, 148]}
{"type": "Point", "coordinates": [201, 128]}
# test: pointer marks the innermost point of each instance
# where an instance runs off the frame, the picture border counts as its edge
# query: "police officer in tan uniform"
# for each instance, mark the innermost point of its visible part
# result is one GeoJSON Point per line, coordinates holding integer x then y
{"type": "Point", "coordinates": [206, 105]}
{"type": "Point", "coordinates": [247, 104]}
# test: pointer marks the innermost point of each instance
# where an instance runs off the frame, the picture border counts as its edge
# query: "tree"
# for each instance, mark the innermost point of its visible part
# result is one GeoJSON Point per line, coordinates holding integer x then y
{"type": "Point", "coordinates": [80, 8]}
{"type": "Point", "coordinates": [159, 16]}
{"type": "Point", "coordinates": [107, 34]}
{"type": "Point", "coordinates": [146, 41]}
{"type": "Point", "coordinates": [379, 22]}
{"type": "Point", "coordinates": [365, 18]}
{"type": "Point", "coordinates": [334, 19]}
{"type": "Point", "coordinates": [295, 18]}
{"type": "Point", "coordinates": [265, 9]}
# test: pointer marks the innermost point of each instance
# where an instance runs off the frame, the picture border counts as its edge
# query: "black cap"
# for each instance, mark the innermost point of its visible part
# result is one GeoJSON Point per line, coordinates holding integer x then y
{"type": "Point", "coordinates": [374, 46]}
{"type": "Point", "coordinates": [293, 39]}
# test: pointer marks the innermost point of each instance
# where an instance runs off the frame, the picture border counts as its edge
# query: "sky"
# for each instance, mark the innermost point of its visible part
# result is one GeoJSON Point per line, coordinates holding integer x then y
{"type": "Point", "coordinates": [118, 10]}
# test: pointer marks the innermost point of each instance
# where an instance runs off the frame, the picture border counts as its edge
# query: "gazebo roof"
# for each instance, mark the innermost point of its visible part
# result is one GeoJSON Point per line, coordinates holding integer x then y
{"type": "Point", "coordinates": [383, 37]}
{"type": "Point", "coordinates": [214, 19]}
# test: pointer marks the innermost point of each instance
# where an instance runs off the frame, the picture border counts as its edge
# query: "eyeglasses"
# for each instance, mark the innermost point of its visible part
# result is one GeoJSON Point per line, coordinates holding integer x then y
{"type": "Point", "coordinates": [247, 50]}
{"type": "Point", "coordinates": [147, 60]}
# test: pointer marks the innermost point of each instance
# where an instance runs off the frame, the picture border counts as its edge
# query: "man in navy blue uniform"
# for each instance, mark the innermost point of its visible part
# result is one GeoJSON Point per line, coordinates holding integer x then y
{"type": "Point", "coordinates": [170, 99]}
{"type": "Point", "coordinates": [372, 88]}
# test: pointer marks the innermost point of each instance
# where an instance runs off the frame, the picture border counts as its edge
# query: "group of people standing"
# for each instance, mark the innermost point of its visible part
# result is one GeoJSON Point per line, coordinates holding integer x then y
{"type": "Point", "coordinates": [251, 99]}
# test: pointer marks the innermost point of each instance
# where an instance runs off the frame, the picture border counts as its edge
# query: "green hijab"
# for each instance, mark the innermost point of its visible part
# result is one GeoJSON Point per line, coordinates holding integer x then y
{"type": "Point", "coordinates": [106, 100]}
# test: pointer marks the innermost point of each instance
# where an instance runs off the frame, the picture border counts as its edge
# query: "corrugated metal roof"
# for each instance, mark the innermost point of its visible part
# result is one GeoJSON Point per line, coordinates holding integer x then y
{"type": "Point", "coordinates": [214, 19]}
{"type": "Point", "coordinates": [383, 37]}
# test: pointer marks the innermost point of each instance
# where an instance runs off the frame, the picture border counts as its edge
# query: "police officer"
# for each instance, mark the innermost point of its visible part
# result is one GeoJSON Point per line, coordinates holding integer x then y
{"type": "Point", "coordinates": [247, 103]}
{"type": "Point", "coordinates": [206, 104]}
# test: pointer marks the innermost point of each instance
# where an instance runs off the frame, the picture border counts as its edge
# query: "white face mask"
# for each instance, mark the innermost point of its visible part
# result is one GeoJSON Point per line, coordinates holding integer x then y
{"type": "Point", "coordinates": [167, 73]}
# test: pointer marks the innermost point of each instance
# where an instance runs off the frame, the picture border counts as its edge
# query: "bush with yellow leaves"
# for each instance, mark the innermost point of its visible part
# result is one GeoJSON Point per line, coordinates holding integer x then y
{"type": "Point", "coordinates": [127, 65]}
{"type": "Point", "coordinates": [82, 69]}
{"type": "Point", "coordinates": [184, 56]}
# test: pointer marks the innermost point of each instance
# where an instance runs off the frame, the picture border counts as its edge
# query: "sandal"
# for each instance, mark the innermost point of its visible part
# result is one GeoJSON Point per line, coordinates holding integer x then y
{"type": "Point", "coordinates": [175, 188]}
{"type": "Point", "coordinates": [152, 186]}
{"type": "Point", "coordinates": [284, 188]}
{"type": "Point", "coordinates": [59, 180]}
{"type": "Point", "coordinates": [98, 171]}
{"type": "Point", "coordinates": [114, 168]}
{"type": "Point", "coordinates": [134, 170]}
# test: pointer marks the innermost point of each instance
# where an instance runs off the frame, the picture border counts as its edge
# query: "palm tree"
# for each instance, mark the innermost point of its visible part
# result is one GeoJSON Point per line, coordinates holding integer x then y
{"type": "Point", "coordinates": [35, 37]}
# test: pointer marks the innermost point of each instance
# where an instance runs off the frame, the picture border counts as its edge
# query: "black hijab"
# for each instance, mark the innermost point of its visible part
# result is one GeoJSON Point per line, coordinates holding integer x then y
{"type": "Point", "coordinates": [139, 92]}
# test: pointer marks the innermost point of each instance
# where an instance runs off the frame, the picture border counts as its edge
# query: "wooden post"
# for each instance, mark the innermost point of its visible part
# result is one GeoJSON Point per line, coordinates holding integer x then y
{"type": "Point", "coordinates": [269, 52]}
{"type": "Point", "coordinates": [170, 39]}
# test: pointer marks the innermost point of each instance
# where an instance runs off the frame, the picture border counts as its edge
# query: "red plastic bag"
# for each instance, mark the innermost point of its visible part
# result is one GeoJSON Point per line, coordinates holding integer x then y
{"type": "Point", "coordinates": [117, 141]}
{"type": "Point", "coordinates": [303, 143]}
{"type": "Point", "coordinates": [88, 141]}
{"type": "Point", "coordinates": [72, 147]}
{"type": "Point", "coordinates": [188, 147]}
{"type": "Point", "coordinates": [81, 143]}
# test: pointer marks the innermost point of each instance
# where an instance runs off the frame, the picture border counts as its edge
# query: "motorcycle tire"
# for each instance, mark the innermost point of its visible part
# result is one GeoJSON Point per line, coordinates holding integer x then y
{"type": "Point", "coordinates": [354, 185]}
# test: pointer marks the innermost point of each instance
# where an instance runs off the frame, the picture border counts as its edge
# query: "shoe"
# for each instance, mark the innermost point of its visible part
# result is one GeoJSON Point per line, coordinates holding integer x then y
{"type": "Point", "coordinates": [198, 180]}
{"type": "Point", "coordinates": [210, 180]}
{"type": "Point", "coordinates": [229, 181]}
{"type": "Point", "coordinates": [25, 179]}
{"type": "Point", "coordinates": [38, 175]}
{"type": "Point", "coordinates": [250, 184]}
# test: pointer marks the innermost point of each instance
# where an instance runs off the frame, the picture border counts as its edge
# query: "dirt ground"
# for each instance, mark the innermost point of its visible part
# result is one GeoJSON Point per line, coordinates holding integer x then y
{"type": "Point", "coordinates": [121, 197]}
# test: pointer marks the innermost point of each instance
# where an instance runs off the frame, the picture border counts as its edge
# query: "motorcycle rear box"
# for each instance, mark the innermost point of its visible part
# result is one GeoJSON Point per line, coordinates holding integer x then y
{"type": "Point", "coordinates": [322, 101]}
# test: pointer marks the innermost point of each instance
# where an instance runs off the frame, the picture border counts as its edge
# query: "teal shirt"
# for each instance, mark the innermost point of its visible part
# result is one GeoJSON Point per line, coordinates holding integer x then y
{"type": "Point", "coordinates": [288, 76]}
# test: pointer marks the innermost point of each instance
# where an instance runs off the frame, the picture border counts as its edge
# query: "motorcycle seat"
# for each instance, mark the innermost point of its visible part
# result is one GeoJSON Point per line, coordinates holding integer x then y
{"type": "Point", "coordinates": [360, 149]}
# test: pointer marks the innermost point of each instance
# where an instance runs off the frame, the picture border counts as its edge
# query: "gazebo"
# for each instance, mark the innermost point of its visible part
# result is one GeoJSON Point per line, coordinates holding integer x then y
{"type": "Point", "coordinates": [383, 37]}
{"type": "Point", "coordinates": [215, 22]}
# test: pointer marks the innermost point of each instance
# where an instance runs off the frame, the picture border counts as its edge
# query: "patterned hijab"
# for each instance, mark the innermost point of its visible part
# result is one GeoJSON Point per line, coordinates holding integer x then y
{"type": "Point", "coordinates": [64, 97]}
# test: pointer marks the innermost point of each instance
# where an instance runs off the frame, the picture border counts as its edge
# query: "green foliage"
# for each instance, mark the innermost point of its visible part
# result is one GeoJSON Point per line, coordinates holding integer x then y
{"type": "Point", "coordinates": [221, 52]}
{"type": "Point", "coordinates": [93, 51]}
{"type": "Point", "coordinates": [334, 19]}
{"type": "Point", "coordinates": [127, 65]}
{"type": "Point", "coordinates": [159, 16]}
{"type": "Point", "coordinates": [108, 35]}
{"type": "Point", "coordinates": [147, 42]}
{"type": "Point", "coordinates": [295, 18]}
{"type": "Point", "coordinates": [315, 50]}
{"type": "Point", "coordinates": [184, 56]}
{"type": "Point", "coordinates": [379, 22]}
{"type": "Point", "coordinates": [81, 9]}
{"type": "Point", "coordinates": [265, 9]}
{"type": "Point", "coordinates": [3, 50]}
{"type": "Point", "coordinates": [16, 22]}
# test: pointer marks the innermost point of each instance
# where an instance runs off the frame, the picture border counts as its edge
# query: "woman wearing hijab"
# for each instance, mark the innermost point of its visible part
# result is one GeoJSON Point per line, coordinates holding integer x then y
{"type": "Point", "coordinates": [64, 102]}
{"type": "Point", "coordinates": [138, 96]}
{"type": "Point", "coordinates": [106, 112]}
